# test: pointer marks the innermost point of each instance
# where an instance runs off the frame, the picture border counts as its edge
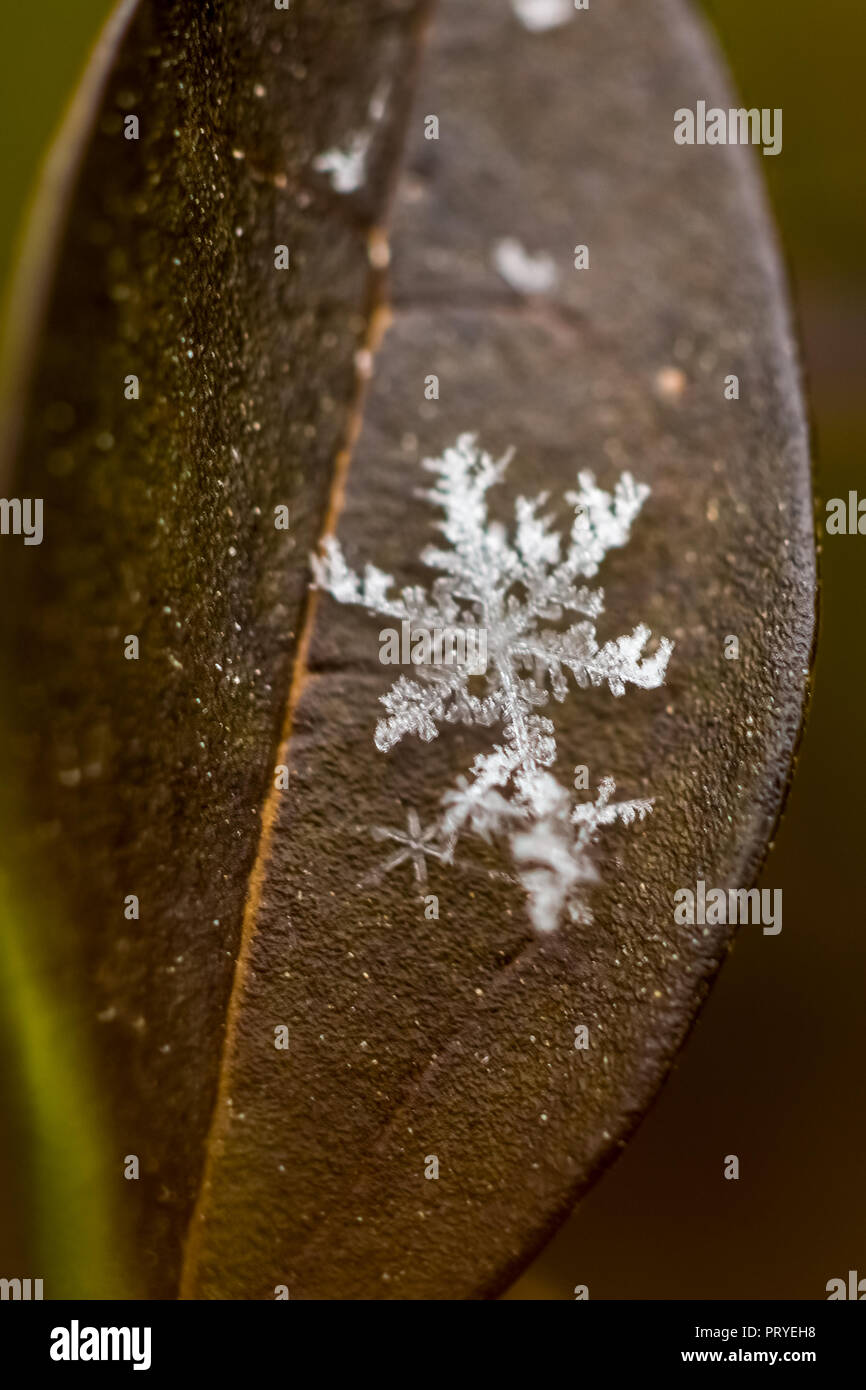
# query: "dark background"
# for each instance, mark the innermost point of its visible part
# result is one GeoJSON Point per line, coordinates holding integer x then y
{"type": "Point", "coordinates": [774, 1068]}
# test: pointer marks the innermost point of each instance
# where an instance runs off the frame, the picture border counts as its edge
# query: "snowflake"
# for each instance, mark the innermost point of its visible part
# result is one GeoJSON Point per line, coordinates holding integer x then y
{"type": "Point", "coordinates": [508, 585]}
{"type": "Point", "coordinates": [415, 846]}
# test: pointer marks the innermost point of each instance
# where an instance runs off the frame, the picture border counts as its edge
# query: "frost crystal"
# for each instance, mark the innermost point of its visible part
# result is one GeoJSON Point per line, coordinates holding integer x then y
{"type": "Point", "coordinates": [538, 15]}
{"type": "Point", "coordinates": [509, 585]}
{"type": "Point", "coordinates": [347, 167]}
{"type": "Point", "coordinates": [525, 273]}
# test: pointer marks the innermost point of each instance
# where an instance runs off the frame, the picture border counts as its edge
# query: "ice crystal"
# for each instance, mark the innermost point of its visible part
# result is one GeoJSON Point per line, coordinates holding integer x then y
{"type": "Point", "coordinates": [538, 15]}
{"type": "Point", "coordinates": [415, 846]}
{"type": "Point", "coordinates": [525, 273]}
{"type": "Point", "coordinates": [511, 585]}
{"type": "Point", "coordinates": [347, 167]}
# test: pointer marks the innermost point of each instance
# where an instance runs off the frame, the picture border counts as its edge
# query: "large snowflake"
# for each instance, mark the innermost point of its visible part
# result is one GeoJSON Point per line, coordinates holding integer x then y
{"type": "Point", "coordinates": [509, 586]}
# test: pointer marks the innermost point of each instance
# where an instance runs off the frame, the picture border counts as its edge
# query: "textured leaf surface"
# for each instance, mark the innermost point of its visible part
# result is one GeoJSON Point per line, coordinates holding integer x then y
{"type": "Point", "coordinates": [408, 1037]}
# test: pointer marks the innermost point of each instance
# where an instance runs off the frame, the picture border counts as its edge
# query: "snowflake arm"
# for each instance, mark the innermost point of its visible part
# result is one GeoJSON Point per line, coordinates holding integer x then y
{"type": "Point", "coordinates": [602, 521]}
{"type": "Point", "coordinates": [416, 708]}
{"type": "Point", "coordinates": [590, 816]}
{"type": "Point", "coordinates": [331, 573]}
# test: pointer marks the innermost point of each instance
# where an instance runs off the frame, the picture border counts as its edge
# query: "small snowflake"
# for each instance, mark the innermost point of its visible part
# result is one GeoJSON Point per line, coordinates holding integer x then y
{"type": "Point", "coordinates": [415, 846]}
{"type": "Point", "coordinates": [509, 585]}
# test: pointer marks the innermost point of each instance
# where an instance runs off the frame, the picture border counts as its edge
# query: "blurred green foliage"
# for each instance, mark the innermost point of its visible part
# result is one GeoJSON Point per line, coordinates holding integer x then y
{"type": "Point", "coordinates": [43, 1079]}
{"type": "Point", "coordinates": [807, 57]}
{"type": "Point", "coordinates": [43, 49]}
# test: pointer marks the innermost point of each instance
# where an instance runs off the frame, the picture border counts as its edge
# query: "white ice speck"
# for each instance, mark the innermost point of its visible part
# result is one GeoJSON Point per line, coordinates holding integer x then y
{"type": "Point", "coordinates": [525, 273]}
{"type": "Point", "coordinates": [347, 167]}
{"type": "Point", "coordinates": [537, 15]}
{"type": "Point", "coordinates": [379, 102]}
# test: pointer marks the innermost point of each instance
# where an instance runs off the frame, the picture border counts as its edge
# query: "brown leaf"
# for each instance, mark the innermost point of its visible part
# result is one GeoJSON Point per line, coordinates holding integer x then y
{"type": "Point", "coordinates": [408, 1037]}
